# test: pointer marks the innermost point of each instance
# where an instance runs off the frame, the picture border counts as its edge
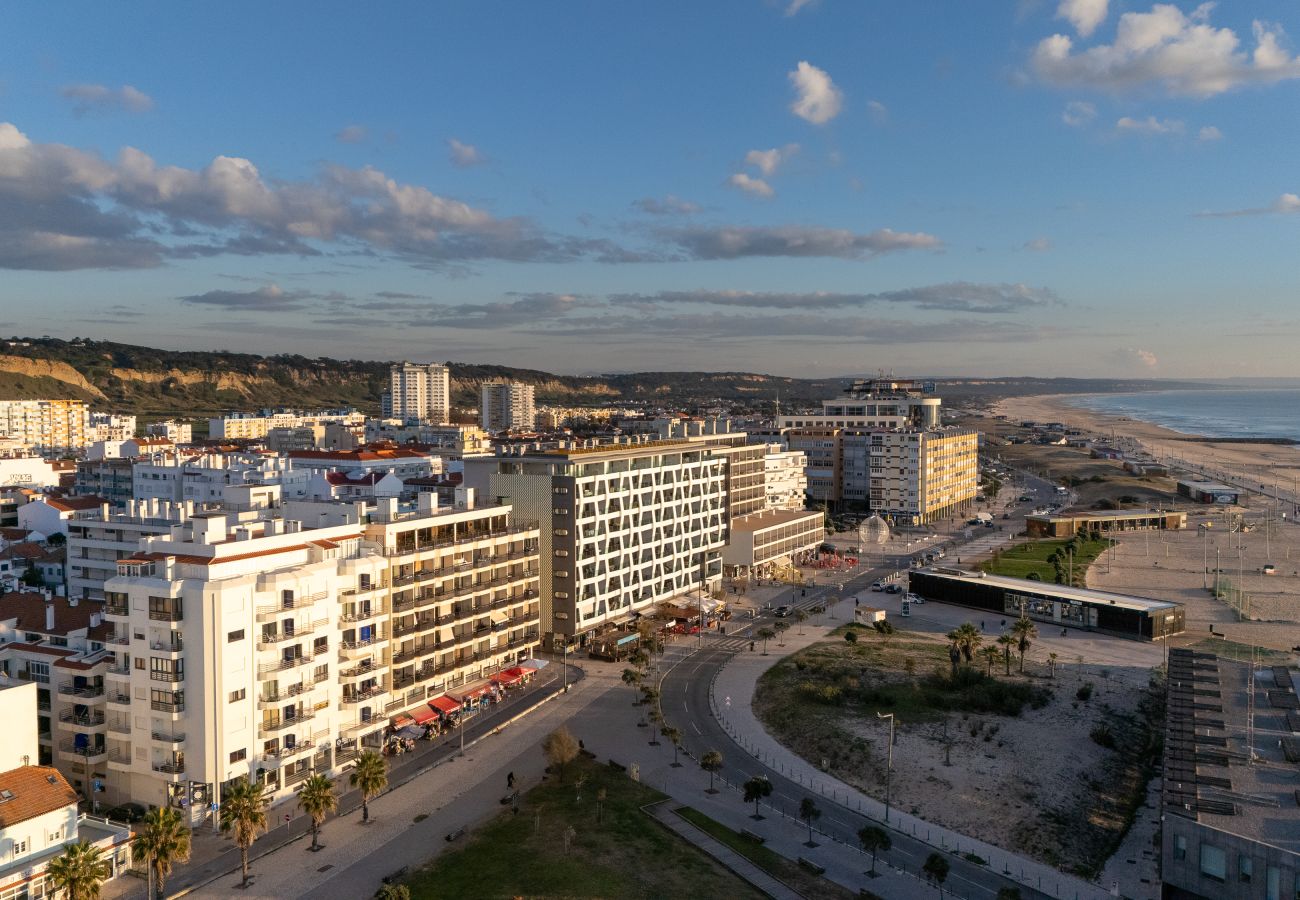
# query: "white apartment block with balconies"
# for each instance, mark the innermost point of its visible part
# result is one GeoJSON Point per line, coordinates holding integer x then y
{"type": "Point", "coordinates": [623, 526]}
{"type": "Point", "coordinates": [206, 477]}
{"type": "Point", "coordinates": [45, 427]}
{"type": "Point", "coordinates": [420, 392]}
{"type": "Point", "coordinates": [785, 477]}
{"type": "Point", "coordinates": [507, 406]}
{"type": "Point", "coordinates": [176, 432]}
{"type": "Point", "coordinates": [263, 649]}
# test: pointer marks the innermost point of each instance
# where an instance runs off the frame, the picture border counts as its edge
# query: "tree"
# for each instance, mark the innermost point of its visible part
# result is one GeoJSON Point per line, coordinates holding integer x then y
{"type": "Point", "coordinates": [874, 839]}
{"type": "Point", "coordinates": [674, 736]}
{"type": "Point", "coordinates": [711, 762]}
{"type": "Point", "coordinates": [765, 635]}
{"type": "Point", "coordinates": [936, 870]}
{"type": "Point", "coordinates": [990, 654]}
{"type": "Point", "coordinates": [162, 839]}
{"type": "Point", "coordinates": [243, 814]}
{"type": "Point", "coordinates": [317, 799]}
{"type": "Point", "coordinates": [809, 812]}
{"type": "Point", "coordinates": [1051, 665]}
{"type": "Point", "coordinates": [851, 636]}
{"type": "Point", "coordinates": [954, 655]}
{"type": "Point", "coordinates": [1006, 642]}
{"type": "Point", "coordinates": [781, 628]}
{"type": "Point", "coordinates": [600, 804]}
{"type": "Point", "coordinates": [370, 776]}
{"type": "Point", "coordinates": [631, 677]}
{"type": "Point", "coordinates": [1024, 631]}
{"type": "Point", "coordinates": [756, 789]}
{"type": "Point", "coordinates": [800, 616]}
{"type": "Point", "coordinates": [967, 639]}
{"type": "Point", "coordinates": [1008, 893]}
{"type": "Point", "coordinates": [32, 576]}
{"type": "Point", "coordinates": [79, 871]}
{"type": "Point", "coordinates": [393, 892]}
{"type": "Point", "coordinates": [560, 748]}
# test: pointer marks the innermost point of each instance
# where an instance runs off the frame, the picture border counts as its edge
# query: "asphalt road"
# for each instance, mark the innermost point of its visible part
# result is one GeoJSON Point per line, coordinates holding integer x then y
{"type": "Point", "coordinates": [685, 690]}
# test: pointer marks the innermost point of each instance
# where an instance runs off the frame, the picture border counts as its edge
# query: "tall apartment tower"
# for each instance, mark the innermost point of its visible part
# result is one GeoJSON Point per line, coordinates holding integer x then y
{"type": "Point", "coordinates": [420, 392]}
{"type": "Point", "coordinates": [507, 406]}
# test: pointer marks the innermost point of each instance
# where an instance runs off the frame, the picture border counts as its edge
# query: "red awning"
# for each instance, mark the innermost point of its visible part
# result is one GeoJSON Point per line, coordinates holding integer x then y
{"type": "Point", "coordinates": [445, 705]}
{"type": "Point", "coordinates": [509, 676]}
{"type": "Point", "coordinates": [401, 720]}
{"type": "Point", "coordinates": [422, 714]}
{"type": "Point", "coordinates": [473, 693]}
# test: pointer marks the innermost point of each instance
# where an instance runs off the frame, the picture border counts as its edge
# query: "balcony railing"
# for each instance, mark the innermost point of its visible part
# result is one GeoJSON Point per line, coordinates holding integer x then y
{"type": "Point", "coordinates": [118, 638]}
{"type": "Point", "coordinates": [273, 725]}
{"type": "Point", "coordinates": [375, 610]}
{"type": "Point", "coordinates": [119, 698]}
{"type": "Point", "coordinates": [166, 676]}
{"type": "Point", "coordinates": [118, 726]}
{"type": "Point", "coordinates": [73, 689]}
{"type": "Point", "coordinates": [169, 768]}
{"type": "Point", "coordinates": [85, 721]}
{"type": "Point", "coordinates": [270, 610]}
{"type": "Point", "coordinates": [284, 665]}
{"type": "Point", "coordinates": [407, 549]}
{"type": "Point", "coordinates": [88, 751]}
{"type": "Point", "coordinates": [120, 670]}
{"type": "Point", "coordinates": [363, 696]}
{"type": "Point", "coordinates": [165, 615]}
{"type": "Point", "coordinates": [271, 640]}
{"type": "Point", "coordinates": [116, 609]}
{"type": "Point", "coordinates": [167, 706]}
{"type": "Point", "coordinates": [167, 738]}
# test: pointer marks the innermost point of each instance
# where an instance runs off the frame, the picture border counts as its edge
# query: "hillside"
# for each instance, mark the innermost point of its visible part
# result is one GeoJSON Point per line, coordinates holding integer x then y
{"type": "Point", "coordinates": [159, 383]}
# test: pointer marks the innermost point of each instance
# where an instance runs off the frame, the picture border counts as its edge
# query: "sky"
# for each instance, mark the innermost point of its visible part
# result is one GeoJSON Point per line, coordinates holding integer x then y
{"type": "Point", "coordinates": [800, 187]}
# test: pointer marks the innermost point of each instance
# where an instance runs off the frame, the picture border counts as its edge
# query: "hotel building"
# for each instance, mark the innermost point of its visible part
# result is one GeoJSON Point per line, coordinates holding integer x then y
{"type": "Point", "coordinates": [419, 392]}
{"type": "Point", "coordinates": [507, 406]}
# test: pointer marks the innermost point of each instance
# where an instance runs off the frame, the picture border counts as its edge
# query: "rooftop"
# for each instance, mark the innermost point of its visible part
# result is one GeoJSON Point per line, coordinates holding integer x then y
{"type": "Point", "coordinates": [1065, 592]}
{"type": "Point", "coordinates": [30, 791]}
{"type": "Point", "coordinates": [1113, 515]}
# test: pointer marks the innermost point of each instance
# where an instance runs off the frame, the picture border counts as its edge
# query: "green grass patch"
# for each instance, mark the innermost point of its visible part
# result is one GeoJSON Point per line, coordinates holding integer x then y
{"type": "Point", "coordinates": [1241, 652]}
{"type": "Point", "coordinates": [618, 852]}
{"type": "Point", "coordinates": [784, 870]}
{"type": "Point", "coordinates": [1031, 560]}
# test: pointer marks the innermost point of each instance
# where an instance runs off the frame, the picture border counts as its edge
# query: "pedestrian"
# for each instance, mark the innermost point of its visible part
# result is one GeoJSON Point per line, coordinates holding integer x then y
{"type": "Point", "coordinates": [981, 626]}
{"type": "Point", "coordinates": [510, 781]}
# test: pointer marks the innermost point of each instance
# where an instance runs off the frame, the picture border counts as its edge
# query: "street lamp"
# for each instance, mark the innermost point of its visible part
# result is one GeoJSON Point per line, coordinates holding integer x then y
{"type": "Point", "coordinates": [1204, 529]}
{"type": "Point", "coordinates": [889, 765]}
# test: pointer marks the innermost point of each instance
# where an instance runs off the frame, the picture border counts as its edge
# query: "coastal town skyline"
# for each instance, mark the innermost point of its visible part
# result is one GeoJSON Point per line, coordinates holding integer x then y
{"type": "Point", "coordinates": [1085, 188]}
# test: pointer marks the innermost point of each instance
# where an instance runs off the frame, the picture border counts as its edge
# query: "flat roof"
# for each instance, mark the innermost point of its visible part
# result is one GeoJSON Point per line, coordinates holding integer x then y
{"type": "Point", "coordinates": [771, 518]}
{"type": "Point", "coordinates": [1212, 486]}
{"type": "Point", "coordinates": [1120, 514]}
{"type": "Point", "coordinates": [1063, 591]}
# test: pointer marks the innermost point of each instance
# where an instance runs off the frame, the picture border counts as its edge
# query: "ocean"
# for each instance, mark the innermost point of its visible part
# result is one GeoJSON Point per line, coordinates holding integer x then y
{"type": "Point", "coordinates": [1226, 413]}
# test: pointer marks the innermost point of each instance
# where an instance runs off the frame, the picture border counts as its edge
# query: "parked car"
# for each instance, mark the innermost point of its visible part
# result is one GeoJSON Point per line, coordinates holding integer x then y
{"type": "Point", "coordinates": [782, 612]}
{"type": "Point", "coordinates": [894, 589]}
{"type": "Point", "coordinates": [877, 586]}
{"type": "Point", "coordinates": [1025, 498]}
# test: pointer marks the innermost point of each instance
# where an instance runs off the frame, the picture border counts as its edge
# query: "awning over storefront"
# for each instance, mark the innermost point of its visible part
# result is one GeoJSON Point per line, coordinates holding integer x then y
{"type": "Point", "coordinates": [401, 720]}
{"type": "Point", "coordinates": [411, 731]}
{"type": "Point", "coordinates": [445, 705]}
{"type": "Point", "coordinates": [535, 664]}
{"type": "Point", "coordinates": [422, 715]}
{"type": "Point", "coordinates": [510, 676]}
{"type": "Point", "coordinates": [473, 692]}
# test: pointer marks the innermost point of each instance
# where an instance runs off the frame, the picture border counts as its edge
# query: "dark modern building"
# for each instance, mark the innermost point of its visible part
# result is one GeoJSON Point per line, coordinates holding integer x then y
{"type": "Point", "coordinates": [1065, 526]}
{"type": "Point", "coordinates": [1122, 615]}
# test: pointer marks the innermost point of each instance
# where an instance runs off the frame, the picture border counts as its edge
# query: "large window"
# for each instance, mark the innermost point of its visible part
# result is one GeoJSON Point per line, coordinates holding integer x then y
{"type": "Point", "coordinates": [1180, 847]}
{"type": "Point", "coordinates": [1214, 863]}
{"type": "Point", "coordinates": [1245, 868]}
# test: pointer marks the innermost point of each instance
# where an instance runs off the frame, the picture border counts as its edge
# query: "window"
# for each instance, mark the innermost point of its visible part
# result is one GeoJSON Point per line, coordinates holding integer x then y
{"type": "Point", "coordinates": [237, 635]}
{"type": "Point", "coordinates": [1180, 846]}
{"type": "Point", "coordinates": [1273, 883]}
{"type": "Point", "coordinates": [1214, 863]}
{"type": "Point", "coordinates": [1245, 868]}
{"type": "Point", "coordinates": [20, 847]}
{"type": "Point", "coordinates": [238, 756]}
{"type": "Point", "coordinates": [236, 696]}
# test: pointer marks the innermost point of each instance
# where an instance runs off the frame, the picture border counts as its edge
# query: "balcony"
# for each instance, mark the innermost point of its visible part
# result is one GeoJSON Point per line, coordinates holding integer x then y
{"type": "Point", "coordinates": [267, 611]}
{"type": "Point", "coordinates": [408, 549]}
{"type": "Point", "coordinates": [357, 729]}
{"type": "Point", "coordinates": [267, 641]}
{"type": "Point", "coordinates": [112, 608]}
{"type": "Point", "coordinates": [165, 614]}
{"type": "Point", "coordinates": [172, 677]}
{"type": "Point", "coordinates": [167, 738]}
{"type": "Point", "coordinates": [416, 652]}
{"type": "Point", "coordinates": [284, 665]}
{"type": "Point", "coordinates": [90, 720]}
{"type": "Point", "coordinates": [279, 724]}
{"type": "Point", "coordinates": [85, 691]}
{"type": "Point", "coordinates": [284, 753]}
{"type": "Point", "coordinates": [173, 648]}
{"type": "Point", "coordinates": [119, 698]}
{"type": "Point", "coordinates": [378, 609]}
{"type": "Point", "coordinates": [118, 638]}
{"type": "Point", "coordinates": [119, 726]}
{"type": "Point", "coordinates": [174, 707]}
{"type": "Point", "coordinates": [119, 760]}
{"type": "Point", "coordinates": [176, 770]}
{"type": "Point", "coordinates": [351, 650]}
{"type": "Point", "coordinates": [90, 752]}
{"type": "Point", "coordinates": [364, 696]}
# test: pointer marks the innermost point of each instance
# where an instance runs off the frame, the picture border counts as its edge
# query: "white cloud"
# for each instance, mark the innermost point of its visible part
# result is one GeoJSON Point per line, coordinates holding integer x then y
{"type": "Point", "coordinates": [1135, 358]}
{"type": "Point", "coordinates": [1084, 15]}
{"type": "Point", "coordinates": [735, 242]}
{"type": "Point", "coordinates": [352, 134]}
{"type": "Point", "coordinates": [1182, 54]}
{"type": "Point", "coordinates": [1039, 245]}
{"type": "Point", "coordinates": [1150, 125]}
{"type": "Point", "coordinates": [817, 98]}
{"type": "Point", "coordinates": [465, 155]}
{"type": "Point", "coordinates": [879, 111]}
{"type": "Point", "coordinates": [672, 205]}
{"type": "Point", "coordinates": [794, 6]}
{"type": "Point", "coordinates": [1284, 205]}
{"type": "Point", "coordinates": [1078, 113]}
{"type": "Point", "coordinates": [750, 185]}
{"type": "Point", "coordinates": [768, 161]}
{"type": "Point", "coordinates": [1209, 133]}
{"type": "Point", "coordinates": [88, 98]}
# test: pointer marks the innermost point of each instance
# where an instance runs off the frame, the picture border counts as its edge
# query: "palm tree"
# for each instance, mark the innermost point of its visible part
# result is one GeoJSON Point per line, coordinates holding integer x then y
{"type": "Point", "coordinates": [936, 870]}
{"type": "Point", "coordinates": [163, 838]}
{"type": "Point", "coordinates": [800, 616]}
{"type": "Point", "coordinates": [990, 654]}
{"type": "Point", "coordinates": [874, 839]}
{"type": "Point", "coordinates": [756, 789]}
{"type": "Point", "coordinates": [711, 762]}
{"type": "Point", "coordinates": [1051, 665]}
{"type": "Point", "coordinates": [317, 799]}
{"type": "Point", "coordinates": [968, 640]}
{"type": "Point", "coordinates": [1025, 631]}
{"type": "Point", "coordinates": [79, 871]}
{"type": "Point", "coordinates": [809, 812]}
{"type": "Point", "coordinates": [370, 776]}
{"type": "Point", "coordinates": [243, 813]}
{"type": "Point", "coordinates": [765, 635]}
{"type": "Point", "coordinates": [1006, 642]}
{"type": "Point", "coordinates": [631, 677]}
{"type": "Point", "coordinates": [781, 628]}
{"type": "Point", "coordinates": [674, 736]}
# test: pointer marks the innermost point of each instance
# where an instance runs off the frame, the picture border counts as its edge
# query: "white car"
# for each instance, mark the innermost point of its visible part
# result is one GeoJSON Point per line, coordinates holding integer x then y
{"type": "Point", "coordinates": [909, 597]}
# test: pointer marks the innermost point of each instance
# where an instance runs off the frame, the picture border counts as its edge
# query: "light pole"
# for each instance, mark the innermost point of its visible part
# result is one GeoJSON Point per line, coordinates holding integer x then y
{"type": "Point", "coordinates": [1204, 529]}
{"type": "Point", "coordinates": [889, 764]}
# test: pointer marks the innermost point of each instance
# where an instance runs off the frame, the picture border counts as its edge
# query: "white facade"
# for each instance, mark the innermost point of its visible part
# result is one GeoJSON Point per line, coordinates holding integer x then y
{"type": "Point", "coordinates": [110, 427]}
{"type": "Point", "coordinates": [18, 712]}
{"type": "Point", "coordinates": [400, 461]}
{"type": "Point", "coordinates": [26, 471]}
{"type": "Point", "coordinates": [421, 392]}
{"type": "Point", "coordinates": [254, 426]}
{"type": "Point", "coordinates": [95, 545]}
{"type": "Point", "coordinates": [204, 478]}
{"type": "Point", "coordinates": [47, 427]}
{"type": "Point", "coordinates": [507, 406]}
{"type": "Point", "coordinates": [176, 432]}
{"type": "Point", "coordinates": [785, 478]}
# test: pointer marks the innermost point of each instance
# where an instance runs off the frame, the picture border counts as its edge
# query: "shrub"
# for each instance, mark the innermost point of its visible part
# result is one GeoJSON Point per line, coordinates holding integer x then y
{"type": "Point", "coordinates": [851, 636]}
{"type": "Point", "coordinates": [884, 627]}
{"type": "Point", "coordinates": [1085, 691]}
{"type": "Point", "coordinates": [1103, 736]}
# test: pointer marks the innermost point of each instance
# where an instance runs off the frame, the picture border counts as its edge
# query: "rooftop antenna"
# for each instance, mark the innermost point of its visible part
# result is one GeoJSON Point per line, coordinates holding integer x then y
{"type": "Point", "coordinates": [778, 403]}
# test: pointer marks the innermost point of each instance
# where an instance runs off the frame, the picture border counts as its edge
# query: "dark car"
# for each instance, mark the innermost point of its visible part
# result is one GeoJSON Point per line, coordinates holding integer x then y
{"type": "Point", "coordinates": [782, 612]}
{"type": "Point", "coordinates": [894, 589]}
{"type": "Point", "coordinates": [127, 812]}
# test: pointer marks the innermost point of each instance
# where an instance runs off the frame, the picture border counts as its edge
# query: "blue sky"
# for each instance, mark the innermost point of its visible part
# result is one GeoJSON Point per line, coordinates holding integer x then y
{"type": "Point", "coordinates": [1073, 187]}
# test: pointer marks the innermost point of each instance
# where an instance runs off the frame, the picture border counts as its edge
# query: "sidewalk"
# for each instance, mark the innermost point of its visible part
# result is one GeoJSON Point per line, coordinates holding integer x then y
{"type": "Point", "coordinates": [732, 700]}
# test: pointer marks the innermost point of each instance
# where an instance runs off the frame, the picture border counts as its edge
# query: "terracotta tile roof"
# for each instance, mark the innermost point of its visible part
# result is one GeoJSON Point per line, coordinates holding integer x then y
{"type": "Point", "coordinates": [32, 791]}
{"type": "Point", "coordinates": [75, 504]}
{"type": "Point", "coordinates": [14, 534]}
{"type": "Point", "coordinates": [28, 611]}
{"type": "Point", "coordinates": [24, 550]}
{"type": "Point", "coordinates": [381, 453]}
{"type": "Point", "coordinates": [343, 478]}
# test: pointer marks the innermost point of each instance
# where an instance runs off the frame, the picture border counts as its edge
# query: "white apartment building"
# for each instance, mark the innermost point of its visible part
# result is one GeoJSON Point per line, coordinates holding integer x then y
{"type": "Point", "coordinates": [448, 441]}
{"type": "Point", "coordinates": [913, 476]}
{"type": "Point", "coordinates": [96, 544]}
{"type": "Point", "coordinates": [176, 432]}
{"type": "Point", "coordinates": [879, 403]}
{"type": "Point", "coordinates": [400, 461]}
{"type": "Point", "coordinates": [507, 406]}
{"type": "Point", "coordinates": [254, 426]}
{"type": "Point", "coordinates": [110, 427]}
{"type": "Point", "coordinates": [27, 471]}
{"type": "Point", "coordinates": [420, 392]}
{"type": "Point", "coordinates": [785, 478]}
{"type": "Point", "coordinates": [623, 526]}
{"type": "Point", "coordinates": [205, 477]}
{"type": "Point", "coordinates": [45, 427]}
{"type": "Point", "coordinates": [265, 649]}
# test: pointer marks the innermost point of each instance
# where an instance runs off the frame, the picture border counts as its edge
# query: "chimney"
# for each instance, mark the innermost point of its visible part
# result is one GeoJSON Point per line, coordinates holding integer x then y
{"type": "Point", "coordinates": [49, 617]}
{"type": "Point", "coordinates": [427, 501]}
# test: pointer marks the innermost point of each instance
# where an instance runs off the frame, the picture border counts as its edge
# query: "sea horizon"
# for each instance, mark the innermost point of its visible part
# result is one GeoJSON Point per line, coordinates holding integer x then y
{"type": "Point", "coordinates": [1221, 413]}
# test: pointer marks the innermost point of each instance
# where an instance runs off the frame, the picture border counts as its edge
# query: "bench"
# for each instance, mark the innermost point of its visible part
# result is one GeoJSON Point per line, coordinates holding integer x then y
{"type": "Point", "coordinates": [756, 838]}
{"type": "Point", "coordinates": [811, 866]}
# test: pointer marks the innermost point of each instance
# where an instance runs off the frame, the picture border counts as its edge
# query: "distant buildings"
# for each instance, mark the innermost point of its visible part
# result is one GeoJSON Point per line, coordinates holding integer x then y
{"type": "Point", "coordinates": [419, 392]}
{"type": "Point", "coordinates": [110, 427]}
{"type": "Point", "coordinates": [45, 427]}
{"type": "Point", "coordinates": [256, 426]}
{"type": "Point", "coordinates": [176, 432]}
{"type": "Point", "coordinates": [507, 406]}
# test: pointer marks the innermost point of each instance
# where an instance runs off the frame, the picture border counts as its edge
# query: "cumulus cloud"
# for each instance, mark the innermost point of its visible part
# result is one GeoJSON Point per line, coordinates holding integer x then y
{"type": "Point", "coordinates": [88, 98]}
{"type": "Point", "coordinates": [1084, 15]}
{"type": "Point", "coordinates": [817, 99]}
{"type": "Point", "coordinates": [352, 134]}
{"type": "Point", "coordinates": [532, 310]}
{"type": "Point", "coordinates": [960, 296]}
{"type": "Point", "coordinates": [1135, 358]}
{"type": "Point", "coordinates": [1182, 54]}
{"type": "Point", "coordinates": [879, 111]}
{"type": "Point", "coordinates": [64, 208]}
{"type": "Point", "coordinates": [1209, 133]}
{"type": "Point", "coordinates": [464, 155]}
{"type": "Point", "coordinates": [768, 161]}
{"type": "Point", "coordinates": [670, 205]}
{"type": "Point", "coordinates": [1038, 245]}
{"type": "Point", "coordinates": [735, 242]}
{"type": "Point", "coordinates": [1150, 125]}
{"type": "Point", "coordinates": [1283, 205]}
{"type": "Point", "coordinates": [268, 298]}
{"type": "Point", "coordinates": [793, 7]}
{"type": "Point", "coordinates": [750, 185]}
{"type": "Point", "coordinates": [1078, 113]}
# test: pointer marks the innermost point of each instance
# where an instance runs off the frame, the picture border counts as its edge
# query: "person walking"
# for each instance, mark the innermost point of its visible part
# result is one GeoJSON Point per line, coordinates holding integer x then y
{"type": "Point", "coordinates": [510, 781]}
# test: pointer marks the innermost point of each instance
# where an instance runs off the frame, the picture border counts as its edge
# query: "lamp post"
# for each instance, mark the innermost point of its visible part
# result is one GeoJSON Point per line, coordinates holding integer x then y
{"type": "Point", "coordinates": [1204, 529]}
{"type": "Point", "coordinates": [889, 764]}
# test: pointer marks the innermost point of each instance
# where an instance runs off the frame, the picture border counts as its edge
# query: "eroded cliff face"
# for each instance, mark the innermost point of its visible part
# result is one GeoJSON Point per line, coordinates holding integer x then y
{"type": "Point", "coordinates": [48, 368]}
{"type": "Point", "coordinates": [221, 381]}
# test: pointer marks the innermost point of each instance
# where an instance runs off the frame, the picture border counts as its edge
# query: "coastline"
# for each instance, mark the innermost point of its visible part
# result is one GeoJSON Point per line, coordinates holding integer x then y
{"type": "Point", "coordinates": [1275, 466]}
